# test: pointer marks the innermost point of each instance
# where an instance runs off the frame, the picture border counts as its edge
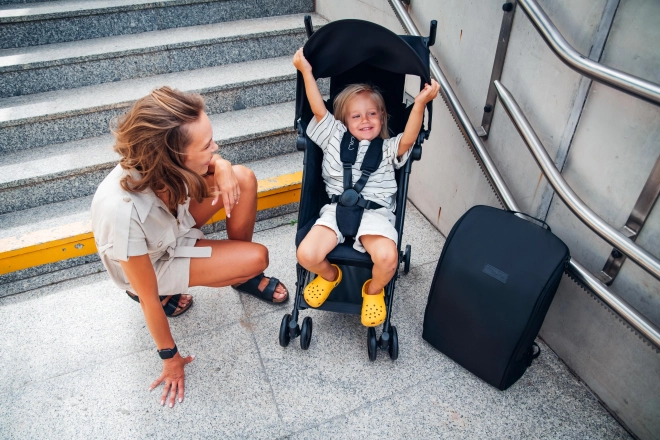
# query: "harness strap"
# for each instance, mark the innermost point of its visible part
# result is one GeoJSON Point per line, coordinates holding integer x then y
{"type": "Point", "coordinates": [348, 155]}
{"type": "Point", "coordinates": [362, 202]}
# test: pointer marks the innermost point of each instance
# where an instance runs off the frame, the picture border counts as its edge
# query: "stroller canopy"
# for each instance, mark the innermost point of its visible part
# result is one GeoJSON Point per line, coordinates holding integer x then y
{"type": "Point", "coordinates": [341, 45]}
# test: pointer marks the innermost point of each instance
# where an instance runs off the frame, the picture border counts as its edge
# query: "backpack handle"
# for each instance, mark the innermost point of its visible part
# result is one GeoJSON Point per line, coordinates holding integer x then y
{"type": "Point", "coordinates": [547, 226]}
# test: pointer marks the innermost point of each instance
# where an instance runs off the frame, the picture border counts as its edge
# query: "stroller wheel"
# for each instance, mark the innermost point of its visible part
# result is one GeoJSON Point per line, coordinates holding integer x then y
{"type": "Point", "coordinates": [406, 262]}
{"type": "Point", "coordinates": [306, 333]}
{"type": "Point", "coordinates": [394, 344]}
{"type": "Point", "coordinates": [372, 348]}
{"type": "Point", "coordinates": [284, 330]}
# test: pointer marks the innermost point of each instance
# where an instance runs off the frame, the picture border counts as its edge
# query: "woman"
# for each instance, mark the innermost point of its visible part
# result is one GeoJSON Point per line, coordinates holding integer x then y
{"type": "Point", "coordinates": [147, 212]}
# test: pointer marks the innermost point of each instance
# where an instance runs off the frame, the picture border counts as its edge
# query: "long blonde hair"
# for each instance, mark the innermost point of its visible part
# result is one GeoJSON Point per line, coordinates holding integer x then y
{"type": "Point", "coordinates": [352, 90]}
{"type": "Point", "coordinates": [152, 139]}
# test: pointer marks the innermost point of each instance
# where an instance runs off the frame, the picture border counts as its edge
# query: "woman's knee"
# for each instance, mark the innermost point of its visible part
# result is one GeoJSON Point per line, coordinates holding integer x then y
{"type": "Point", "coordinates": [246, 177]}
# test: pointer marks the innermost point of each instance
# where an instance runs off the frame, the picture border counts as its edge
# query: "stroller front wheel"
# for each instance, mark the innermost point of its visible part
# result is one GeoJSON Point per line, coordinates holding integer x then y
{"type": "Point", "coordinates": [306, 333]}
{"type": "Point", "coordinates": [394, 344]}
{"type": "Point", "coordinates": [372, 347]}
{"type": "Point", "coordinates": [285, 337]}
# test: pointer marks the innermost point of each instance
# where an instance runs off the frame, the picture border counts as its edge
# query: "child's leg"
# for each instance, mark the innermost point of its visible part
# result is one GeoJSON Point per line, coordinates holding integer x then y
{"type": "Point", "coordinates": [313, 250]}
{"type": "Point", "coordinates": [385, 256]}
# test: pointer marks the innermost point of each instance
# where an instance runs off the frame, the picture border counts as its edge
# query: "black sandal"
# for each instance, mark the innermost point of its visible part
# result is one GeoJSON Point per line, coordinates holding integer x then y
{"type": "Point", "coordinates": [170, 306]}
{"type": "Point", "coordinates": [251, 287]}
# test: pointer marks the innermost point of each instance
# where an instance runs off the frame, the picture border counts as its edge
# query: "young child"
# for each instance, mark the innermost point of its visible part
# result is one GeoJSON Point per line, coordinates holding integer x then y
{"type": "Point", "coordinates": [361, 110]}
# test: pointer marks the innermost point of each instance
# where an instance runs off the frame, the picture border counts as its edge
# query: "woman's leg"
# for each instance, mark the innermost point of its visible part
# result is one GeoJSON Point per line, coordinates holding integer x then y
{"type": "Point", "coordinates": [231, 262]}
{"type": "Point", "coordinates": [385, 256]}
{"type": "Point", "coordinates": [240, 226]}
{"type": "Point", "coordinates": [314, 249]}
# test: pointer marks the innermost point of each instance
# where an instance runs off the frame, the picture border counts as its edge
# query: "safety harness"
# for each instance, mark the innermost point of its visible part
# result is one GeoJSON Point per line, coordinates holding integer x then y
{"type": "Point", "coordinates": [351, 204]}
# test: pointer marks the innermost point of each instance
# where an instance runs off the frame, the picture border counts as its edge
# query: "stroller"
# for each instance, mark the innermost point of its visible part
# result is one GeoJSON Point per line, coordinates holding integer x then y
{"type": "Point", "coordinates": [355, 51]}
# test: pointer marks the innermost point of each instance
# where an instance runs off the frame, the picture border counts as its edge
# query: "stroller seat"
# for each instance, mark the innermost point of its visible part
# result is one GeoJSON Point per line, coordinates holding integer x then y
{"type": "Point", "coordinates": [348, 52]}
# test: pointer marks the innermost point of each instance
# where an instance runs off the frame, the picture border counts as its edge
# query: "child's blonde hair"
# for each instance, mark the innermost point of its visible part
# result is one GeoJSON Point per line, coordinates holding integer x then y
{"type": "Point", "coordinates": [346, 95]}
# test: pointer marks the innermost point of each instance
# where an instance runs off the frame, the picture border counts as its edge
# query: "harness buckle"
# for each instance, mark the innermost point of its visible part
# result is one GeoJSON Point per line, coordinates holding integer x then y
{"type": "Point", "coordinates": [349, 197]}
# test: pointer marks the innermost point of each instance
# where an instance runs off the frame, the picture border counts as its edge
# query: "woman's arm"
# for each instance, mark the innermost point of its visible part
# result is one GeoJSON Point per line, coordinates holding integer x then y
{"type": "Point", "coordinates": [225, 182]}
{"type": "Point", "coordinates": [313, 93]}
{"type": "Point", "coordinates": [141, 276]}
{"type": "Point", "coordinates": [416, 116]}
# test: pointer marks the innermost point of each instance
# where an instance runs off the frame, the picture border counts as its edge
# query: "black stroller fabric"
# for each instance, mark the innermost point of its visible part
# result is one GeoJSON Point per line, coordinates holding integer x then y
{"type": "Point", "coordinates": [349, 52]}
{"type": "Point", "coordinates": [493, 285]}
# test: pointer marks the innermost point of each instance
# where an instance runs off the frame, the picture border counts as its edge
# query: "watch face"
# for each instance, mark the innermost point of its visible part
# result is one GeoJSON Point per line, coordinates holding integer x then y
{"type": "Point", "coordinates": [167, 353]}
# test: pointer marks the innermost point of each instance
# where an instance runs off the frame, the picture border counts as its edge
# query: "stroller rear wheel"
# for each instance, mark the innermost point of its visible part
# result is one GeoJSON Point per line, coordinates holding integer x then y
{"type": "Point", "coordinates": [406, 261]}
{"type": "Point", "coordinates": [285, 337]}
{"type": "Point", "coordinates": [306, 333]}
{"type": "Point", "coordinates": [394, 344]}
{"type": "Point", "coordinates": [372, 347]}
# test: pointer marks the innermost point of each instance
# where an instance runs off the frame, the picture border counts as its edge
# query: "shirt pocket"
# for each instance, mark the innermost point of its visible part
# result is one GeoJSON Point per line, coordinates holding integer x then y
{"type": "Point", "coordinates": [161, 242]}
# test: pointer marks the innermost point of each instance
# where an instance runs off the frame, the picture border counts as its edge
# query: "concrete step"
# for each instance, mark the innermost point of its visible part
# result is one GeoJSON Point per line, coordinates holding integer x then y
{"type": "Point", "coordinates": [49, 237]}
{"type": "Point", "coordinates": [74, 20]}
{"type": "Point", "coordinates": [30, 178]}
{"type": "Point", "coordinates": [64, 116]}
{"type": "Point", "coordinates": [50, 67]}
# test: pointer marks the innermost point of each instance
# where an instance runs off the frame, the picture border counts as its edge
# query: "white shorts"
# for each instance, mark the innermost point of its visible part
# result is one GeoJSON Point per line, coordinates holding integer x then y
{"type": "Point", "coordinates": [374, 222]}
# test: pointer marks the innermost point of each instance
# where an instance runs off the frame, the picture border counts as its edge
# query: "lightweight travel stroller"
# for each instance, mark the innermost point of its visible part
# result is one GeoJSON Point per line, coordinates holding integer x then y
{"type": "Point", "coordinates": [347, 52]}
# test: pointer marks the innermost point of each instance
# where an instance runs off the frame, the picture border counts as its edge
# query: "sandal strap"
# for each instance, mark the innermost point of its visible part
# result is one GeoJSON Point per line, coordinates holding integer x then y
{"type": "Point", "coordinates": [172, 304]}
{"type": "Point", "coordinates": [269, 291]}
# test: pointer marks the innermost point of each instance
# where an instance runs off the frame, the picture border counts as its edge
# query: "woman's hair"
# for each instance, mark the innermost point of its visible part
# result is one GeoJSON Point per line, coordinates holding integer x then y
{"type": "Point", "coordinates": [350, 92]}
{"type": "Point", "coordinates": [152, 139]}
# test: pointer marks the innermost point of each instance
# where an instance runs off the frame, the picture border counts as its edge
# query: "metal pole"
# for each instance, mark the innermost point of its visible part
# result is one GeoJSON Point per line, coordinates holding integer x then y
{"type": "Point", "coordinates": [617, 79]}
{"type": "Point", "coordinates": [636, 253]}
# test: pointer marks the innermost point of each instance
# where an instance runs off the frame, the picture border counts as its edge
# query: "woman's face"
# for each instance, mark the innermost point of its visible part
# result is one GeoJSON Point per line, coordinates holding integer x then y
{"type": "Point", "coordinates": [364, 121]}
{"type": "Point", "coordinates": [201, 146]}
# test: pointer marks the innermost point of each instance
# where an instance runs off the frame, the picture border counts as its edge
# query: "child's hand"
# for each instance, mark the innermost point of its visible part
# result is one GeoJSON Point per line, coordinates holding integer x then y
{"type": "Point", "coordinates": [300, 62]}
{"type": "Point", "coordinates": [429, 93]}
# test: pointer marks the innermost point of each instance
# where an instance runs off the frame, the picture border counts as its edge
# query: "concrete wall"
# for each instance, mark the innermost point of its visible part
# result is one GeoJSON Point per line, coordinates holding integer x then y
{"type": "Point", "coordinates": [610, 155]}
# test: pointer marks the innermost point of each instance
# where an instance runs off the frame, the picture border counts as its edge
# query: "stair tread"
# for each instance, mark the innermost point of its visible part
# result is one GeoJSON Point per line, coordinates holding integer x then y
{"type": "Point", "coordinates": [60, 103]}
{"type": "Point", "coordinates": [146, 42]}
{"type": "Point", "coordinates": [55, 161]}
{"type": "Point", "coordinates": [57, 221]}
{"type": "Point", "coordinates": [72, 8]}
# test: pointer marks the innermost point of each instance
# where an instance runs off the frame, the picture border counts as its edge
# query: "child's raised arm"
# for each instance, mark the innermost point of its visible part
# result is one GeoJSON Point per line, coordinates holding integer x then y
{"type": "Point", "coordinates": [313, 93]}
{"type": "Point", "coordinates": [416, 116]}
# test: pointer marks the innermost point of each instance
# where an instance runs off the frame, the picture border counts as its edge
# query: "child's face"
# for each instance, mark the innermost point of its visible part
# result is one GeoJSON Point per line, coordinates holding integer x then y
{"type": "Point", "coordinates": [363, 119]}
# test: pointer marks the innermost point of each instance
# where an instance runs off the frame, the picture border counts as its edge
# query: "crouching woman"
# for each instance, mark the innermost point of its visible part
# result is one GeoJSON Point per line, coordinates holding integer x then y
{"type": "Point", "coordinates": [147, 212]}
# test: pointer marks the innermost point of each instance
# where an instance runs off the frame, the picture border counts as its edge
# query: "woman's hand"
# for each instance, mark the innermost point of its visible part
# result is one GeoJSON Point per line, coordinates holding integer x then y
{"type": "Point", "coordinates": [226, 184]}
{"type": "Point", "coordinates": [174, 378]}
{"type": "Point", "coordinates": [301, 63]}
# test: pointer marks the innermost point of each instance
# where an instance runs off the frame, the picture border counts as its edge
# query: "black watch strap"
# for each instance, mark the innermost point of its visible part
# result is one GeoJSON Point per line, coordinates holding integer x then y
{"type": "Point", "coordinates": [167, 353]}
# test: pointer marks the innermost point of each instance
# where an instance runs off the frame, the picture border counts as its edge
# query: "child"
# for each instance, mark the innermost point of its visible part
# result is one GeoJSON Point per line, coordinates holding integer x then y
{"type": "Point", "coordinates": [361, 110]}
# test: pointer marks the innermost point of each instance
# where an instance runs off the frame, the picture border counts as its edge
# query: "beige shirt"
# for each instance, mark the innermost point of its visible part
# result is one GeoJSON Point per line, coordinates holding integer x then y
{"type": "Point", "coordinates": [127, 224]}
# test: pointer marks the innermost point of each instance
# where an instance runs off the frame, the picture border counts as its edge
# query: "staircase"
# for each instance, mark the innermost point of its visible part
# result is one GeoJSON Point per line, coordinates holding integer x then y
{"type": "Point", "coordinates": [68, 67]}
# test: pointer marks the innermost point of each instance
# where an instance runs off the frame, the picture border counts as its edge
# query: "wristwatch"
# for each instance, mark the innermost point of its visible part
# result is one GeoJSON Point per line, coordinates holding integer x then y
{"type": "Point", "coordinates": [167, 353]}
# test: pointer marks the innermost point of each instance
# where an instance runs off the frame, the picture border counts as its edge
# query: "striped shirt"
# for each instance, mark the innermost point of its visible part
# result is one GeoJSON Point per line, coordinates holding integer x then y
{"type": "Point", "coordinates": [381, 186]}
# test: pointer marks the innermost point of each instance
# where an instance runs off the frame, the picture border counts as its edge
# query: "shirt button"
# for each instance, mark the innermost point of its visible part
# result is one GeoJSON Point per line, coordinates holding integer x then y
{"type": "Point", "coordinates": [127, 199]}
{"type": "Point", "coordinates": [160, 243]}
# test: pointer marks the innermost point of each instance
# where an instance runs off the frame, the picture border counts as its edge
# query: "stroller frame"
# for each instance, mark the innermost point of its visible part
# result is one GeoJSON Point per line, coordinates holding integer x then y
{"type": "Point", "coordinates": [413, 51]}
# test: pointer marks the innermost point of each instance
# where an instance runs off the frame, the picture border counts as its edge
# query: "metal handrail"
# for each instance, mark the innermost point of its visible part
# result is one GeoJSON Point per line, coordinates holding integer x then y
{"type": "Point", "coordinates": [635, 252]}
{"type": "Point", "coordinates": [617, 79]}
{"type": "Point", "coordinates": [628, 313]}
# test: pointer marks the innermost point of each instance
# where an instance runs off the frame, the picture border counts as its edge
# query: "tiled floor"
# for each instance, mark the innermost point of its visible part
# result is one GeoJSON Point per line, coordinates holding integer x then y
{"type": "Point", "coordinates": [77, 360]}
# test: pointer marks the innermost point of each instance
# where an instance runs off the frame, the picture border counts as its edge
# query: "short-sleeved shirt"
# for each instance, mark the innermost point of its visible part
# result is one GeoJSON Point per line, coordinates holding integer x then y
{"type": "Point", "coordinates": [127, 224]}
{"type": "Point", "coordinates": [381, 186]}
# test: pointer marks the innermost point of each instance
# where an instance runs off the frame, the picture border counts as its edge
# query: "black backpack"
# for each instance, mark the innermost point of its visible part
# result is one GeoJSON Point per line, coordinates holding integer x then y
{"type": "Point", "coordinates": [492, 288]}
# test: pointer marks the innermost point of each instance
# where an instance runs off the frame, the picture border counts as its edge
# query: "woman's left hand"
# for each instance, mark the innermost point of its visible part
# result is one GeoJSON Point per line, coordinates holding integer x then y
{"type": "Point", "coordinates": [226, 184]}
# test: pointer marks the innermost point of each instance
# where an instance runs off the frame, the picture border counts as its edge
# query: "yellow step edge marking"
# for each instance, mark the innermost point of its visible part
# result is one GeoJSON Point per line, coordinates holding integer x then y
{"type": "Point", "coordinates": [77, 239]}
